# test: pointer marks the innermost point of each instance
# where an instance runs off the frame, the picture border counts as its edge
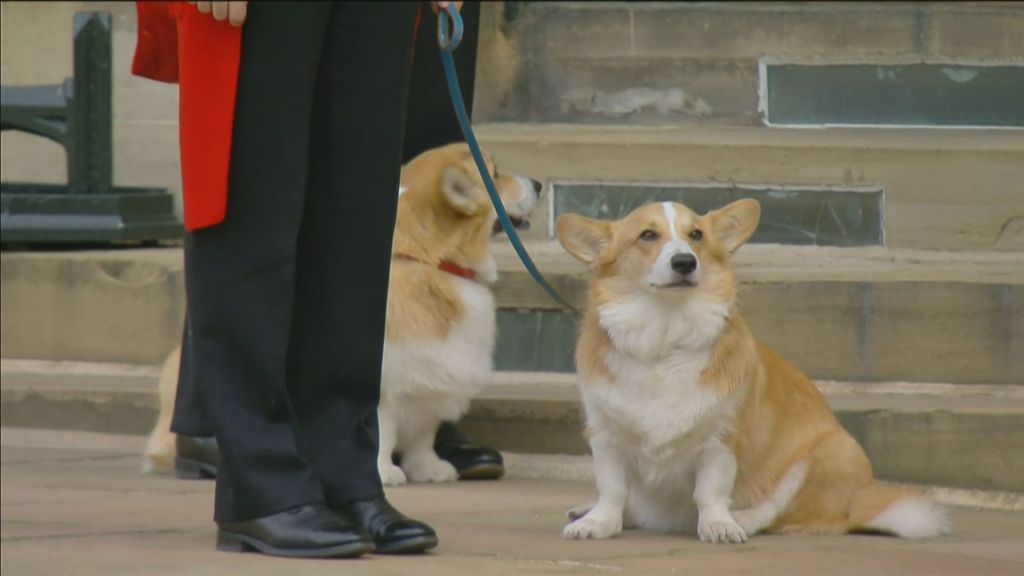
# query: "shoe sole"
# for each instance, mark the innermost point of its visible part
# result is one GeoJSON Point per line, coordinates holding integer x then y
{"type": "Point", "coordinates": [409, 545]}
{"type": "Point", "coordinates": [194, 469]}
{"type": "Point", "coordinates": [236, 542]}
{"type": "Point", "coordinates": [482, 472]}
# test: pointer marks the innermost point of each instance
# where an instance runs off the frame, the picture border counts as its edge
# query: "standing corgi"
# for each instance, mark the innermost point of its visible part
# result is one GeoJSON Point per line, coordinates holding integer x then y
{"type": "Point", "coordinates": [694, 425]}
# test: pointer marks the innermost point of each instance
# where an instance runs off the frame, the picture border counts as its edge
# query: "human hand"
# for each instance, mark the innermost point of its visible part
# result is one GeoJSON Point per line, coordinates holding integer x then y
{"type": "Point", "coordinates": [232, 11]}
{"type": "Point", "coordinates": [439, 6]}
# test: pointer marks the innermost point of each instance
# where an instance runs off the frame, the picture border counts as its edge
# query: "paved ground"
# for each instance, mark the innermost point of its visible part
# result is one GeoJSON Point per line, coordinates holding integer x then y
{"type": "Point", "coordinates": [74, 503]}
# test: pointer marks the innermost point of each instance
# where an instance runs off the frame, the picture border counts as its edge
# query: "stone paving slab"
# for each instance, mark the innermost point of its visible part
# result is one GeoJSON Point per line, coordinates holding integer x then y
{"type": "Point", "coordinates": [962, 436]}
{"type": "Point", "coordinates": [74, 503]}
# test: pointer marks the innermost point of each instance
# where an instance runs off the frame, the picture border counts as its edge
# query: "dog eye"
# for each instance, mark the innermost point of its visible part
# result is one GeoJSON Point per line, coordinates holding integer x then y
{"type": "Point", "coordinates": [696, 234]}
{"type": "Point", "coordinates": [648, 235]}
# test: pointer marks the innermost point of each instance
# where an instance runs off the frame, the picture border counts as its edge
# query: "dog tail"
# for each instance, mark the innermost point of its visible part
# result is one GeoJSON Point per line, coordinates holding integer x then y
{"type": "Point", "coordinates": [896, 511]}
{"type": "Point", "coordinates": [160, 451]}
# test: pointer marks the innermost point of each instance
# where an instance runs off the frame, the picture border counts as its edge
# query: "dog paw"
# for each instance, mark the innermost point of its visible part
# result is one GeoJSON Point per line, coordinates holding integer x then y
{"type": "Point", "coordinates": [430, 470]}
{"type": "Point", "coordinates": [721, 531]}
{"type": "Point", "coordinates": [589, 527]}
{"type": "Point", "coordinates": [391, 475]}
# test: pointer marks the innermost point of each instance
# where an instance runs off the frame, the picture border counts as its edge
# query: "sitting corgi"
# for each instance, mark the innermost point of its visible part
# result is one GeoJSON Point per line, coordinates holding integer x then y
{"type": "Point", "coordinates": [441, 318]}
{"type": "Point", "coordinates": [694, 425]}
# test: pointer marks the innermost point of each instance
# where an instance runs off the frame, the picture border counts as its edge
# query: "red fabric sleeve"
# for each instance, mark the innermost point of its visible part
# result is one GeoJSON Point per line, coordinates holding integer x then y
{"type": "Point", "coordinates": [208, 54]}
{"type": "Point", "coordinates": [156, 45]}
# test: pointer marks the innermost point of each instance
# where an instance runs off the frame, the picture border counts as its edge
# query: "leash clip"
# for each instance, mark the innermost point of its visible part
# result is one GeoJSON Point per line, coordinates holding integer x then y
{"type": "Point", "coordinates": [446, 42]}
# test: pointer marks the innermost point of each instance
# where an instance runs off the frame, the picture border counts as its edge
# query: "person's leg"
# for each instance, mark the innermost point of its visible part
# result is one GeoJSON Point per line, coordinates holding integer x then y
{"type": "Point", "coordinates": [344, 254]}
{"type": "Point", "coordinates": [190, 417]}
{"type": "Point", "coordinates": [196, 455]}
{"type": "Point", "coordinates": [242, 271]}
{"type": "Point", "coordinates": [431, 122]}
{"type": "Point", "coordinates": [344, 251]}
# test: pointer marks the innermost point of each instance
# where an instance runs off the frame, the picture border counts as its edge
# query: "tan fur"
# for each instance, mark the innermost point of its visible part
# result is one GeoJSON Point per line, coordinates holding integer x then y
{"type": "Point", "coordinates": [422, 300]}
{"type": "Point", "coordinates": [782, 418]}
{"type": "Point", "coordinates": [413, 316]}
{"type": "Point", "coordinates": [158, 457]}
{"type": "Point", "coordinates": [440, 324]}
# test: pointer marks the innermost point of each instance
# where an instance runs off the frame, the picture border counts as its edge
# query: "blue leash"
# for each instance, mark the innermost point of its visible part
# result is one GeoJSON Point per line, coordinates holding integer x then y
{"type": "Point", "coordinates": [448, 45]}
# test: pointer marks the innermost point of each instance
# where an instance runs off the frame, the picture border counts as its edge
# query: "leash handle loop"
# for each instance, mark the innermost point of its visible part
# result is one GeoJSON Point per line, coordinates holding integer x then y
{"type": "Point", "coordinates": [449, 43]}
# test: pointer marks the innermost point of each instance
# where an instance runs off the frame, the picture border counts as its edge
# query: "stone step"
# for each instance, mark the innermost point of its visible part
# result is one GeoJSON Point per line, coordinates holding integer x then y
{"type": "Point", "coordinates": [864, 314]}
{"type": "Point", "coordinates": [849, 314]}
{"type": "Point", "coordinates": [953, 190]}
{"type": "Point", "coordinates": [944, 434]}
{"type": "Point", "coordinates": [124, 306]}
{"type": "Point", "coordinates": [954, 435]}
{"type": "Point", "coordinates": [686, 62]}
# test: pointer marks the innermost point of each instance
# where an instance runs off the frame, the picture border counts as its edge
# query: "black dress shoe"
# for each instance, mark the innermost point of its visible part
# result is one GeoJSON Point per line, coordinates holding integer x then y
{"type": "Point", "coordinates": [471, 461]}
{"type": "Point", "coordinates": [390, 530]}
{"type": "Point", "coordinates": [197, 457]}
{"type": "Point", "coordinates": [309, 531]}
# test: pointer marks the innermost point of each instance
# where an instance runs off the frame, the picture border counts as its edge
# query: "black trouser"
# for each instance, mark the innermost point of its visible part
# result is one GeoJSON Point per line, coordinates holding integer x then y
{"type": "Point", "coordinates": [287, 297]}
{"type": "Point", "coordinates": [430, 122]}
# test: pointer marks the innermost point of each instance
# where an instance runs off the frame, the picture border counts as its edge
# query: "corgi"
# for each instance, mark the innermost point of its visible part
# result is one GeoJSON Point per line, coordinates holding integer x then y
{"type": "Point", "coordinates": [440, 332]}
{"type": "Point", "coordinates": [441, 316]}
{"type": "Point", "coordinates": [694, 425]}
{"type": "Point", "coordinates": [158, 457]}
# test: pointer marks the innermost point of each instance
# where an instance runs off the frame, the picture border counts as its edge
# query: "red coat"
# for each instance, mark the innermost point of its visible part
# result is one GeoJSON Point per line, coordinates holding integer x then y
{"type": "Point", "coordinates": [176, 43]}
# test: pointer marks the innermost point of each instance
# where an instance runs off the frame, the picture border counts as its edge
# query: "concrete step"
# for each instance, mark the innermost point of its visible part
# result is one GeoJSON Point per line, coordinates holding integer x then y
{"type": "Point", "coordinates": [686, 62]}
{"type": "Point", "coordinates": [964, 436]}
{"type": "Point", "coordinates": [951, 190]}
{"type": "Point", "coordinates": [944, 434]}
{"type": "Point", "coordinates": [865, 314]}
{"type": "Point", "coordinates": [125, 306]}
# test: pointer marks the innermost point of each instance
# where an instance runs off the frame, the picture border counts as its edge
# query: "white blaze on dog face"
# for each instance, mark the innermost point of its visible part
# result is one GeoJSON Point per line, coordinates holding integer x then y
{"type": "Point", "coordinates": [664, 248]}
{"type": "Point", "coordinates": [677, 263]}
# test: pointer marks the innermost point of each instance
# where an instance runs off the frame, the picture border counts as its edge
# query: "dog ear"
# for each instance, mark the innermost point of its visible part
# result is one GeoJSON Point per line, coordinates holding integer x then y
{"type": "Point", "coordinates": [462, 193]}
{"type": "Point", "coordinates": [734, 224]}
{"type": "Point", "coordinates": [584, 238]}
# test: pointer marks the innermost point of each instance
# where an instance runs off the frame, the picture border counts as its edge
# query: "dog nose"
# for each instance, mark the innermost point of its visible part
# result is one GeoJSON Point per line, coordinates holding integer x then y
{"type": "Point", "coordinates": [537, 187]}
{"type": "Point", "coordinates": [684, 263]}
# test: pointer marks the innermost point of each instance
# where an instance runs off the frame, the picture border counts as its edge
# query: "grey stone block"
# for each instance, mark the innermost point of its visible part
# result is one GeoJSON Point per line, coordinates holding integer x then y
{"type": "Point", "coordinates": [860, 331]}
{"type": "Point", "coordinates": [822, 216]}
{"type": "Point", "coordinates": [637, 91]}
{"type": "Point", "coordinates": [749, 31]}
{"type": "Point", "coordinates": [900, 95]}
{"type": "Point", "coordinates": [108, 309]}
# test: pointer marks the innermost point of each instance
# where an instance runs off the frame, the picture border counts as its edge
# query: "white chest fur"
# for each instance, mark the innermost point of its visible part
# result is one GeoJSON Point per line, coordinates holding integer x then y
{"type": "Point", "coordinates": [456, 367]}
{"type": "Point", "coordinates": [654, 402]}
{"type": "Point", "coordinates": [647, 328]}
{"type": "Point", "coordinates": [652, 405]}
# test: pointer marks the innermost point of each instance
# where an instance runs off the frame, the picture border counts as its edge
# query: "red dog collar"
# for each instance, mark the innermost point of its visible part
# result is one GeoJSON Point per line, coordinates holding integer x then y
{"type": "Point", "coordinates": [453, 268]}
